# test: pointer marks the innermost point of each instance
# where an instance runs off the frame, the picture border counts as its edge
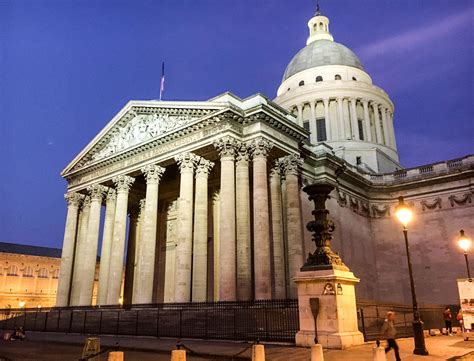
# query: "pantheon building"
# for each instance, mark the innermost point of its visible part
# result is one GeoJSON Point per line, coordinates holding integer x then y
{"type": "Point", "coordinates": [203, 201]}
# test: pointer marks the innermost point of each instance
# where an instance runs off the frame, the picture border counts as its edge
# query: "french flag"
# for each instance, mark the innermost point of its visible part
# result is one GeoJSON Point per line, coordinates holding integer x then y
{"type": "Point", "coordinates": [162, 85]}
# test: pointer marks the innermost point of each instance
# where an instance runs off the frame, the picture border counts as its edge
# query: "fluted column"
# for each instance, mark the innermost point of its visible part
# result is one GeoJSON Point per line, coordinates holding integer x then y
{"type": "Point", "coordinates": [106, 248]}
{"type": "Point", "coordinates": [340, 118]}
{"type": "Point", "coordinates": [201, 227]}
{"type": "Point", "coordinates": [277, 232]}
{"type": "Point", "coordinates": [244, 241]}
{"type": "Point", "coordinates": [145, 270]}
{"type": "Point", "coordinates": [354, 120]}
{"type": "Point", "coordinates": [89, 255]}
{"type": "Point", "coordinates": [386, 129]}
{"type": "Point", "coordinates": [81, 239]}
{"type": "Point", "coordinates": [378, 129]}
{"type": "Point", "coordinates": [215, 235]}
{"type": "Point", "coordinates": [312, 123]}
{"type": "Point", "coordinates": [69, 241]}
{"type": "Point", "coordinates": [184, 248]}
{"type": "Point", "coordinates": [131, 255]}
{"type": "Point", "coordinates": [227, 227]}
{"type": "Point", "coordinates": [329, 125]}
{"type": "Point", "coordinates": [300, 114]}
{"type": "Point", "coordinates": [295, 238]}
{"type": "Point", "coordinates": [393, 142]}
{"type": "Point", "coordinates": [261, 221]}
{"type": "Point", "coordinates": [368, 131]}
{"type": "Point", "coordinates": [123, 184]}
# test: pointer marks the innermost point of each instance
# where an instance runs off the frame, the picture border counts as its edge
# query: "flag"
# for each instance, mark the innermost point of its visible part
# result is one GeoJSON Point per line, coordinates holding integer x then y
{"type": "Point", "coordinates": [162, 85]}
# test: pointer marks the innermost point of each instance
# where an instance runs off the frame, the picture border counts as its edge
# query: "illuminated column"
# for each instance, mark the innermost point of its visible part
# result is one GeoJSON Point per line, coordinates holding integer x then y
{"type": "Point", "coordinates": [392, 131]}
{"type": "Point", "coordinates": [340, 118]}
{"type": "Point", "coordinates": [64, 283]}
{"type": "Point", "coordinates": [244, 240]}
{"type": "Point", "coordinates": [184, 248]}
{"type": "Point", "coordinates": [145, 270]}
{"type": "Point", "coordinates": [277, 232]}
{"type": "Point", "coordinates": [123, 184]}
{"type": "Point", "coordinates": [368, 131]}
{"type": "Point", "coordinates": [300, 114]}
{"type": "Point", "coordinates": [329, 125]}
{"type": "Point", "coordinates": [291, 164]}
{"type": "Point", "coordinates": [215, 233]}
{"type": "Point", "coordinates": [312, 123]}
{"type": "Point", "coordinates": [386, 129]}
{"type": "Point", "coordinates": [378, 129]}
{"type": "Point", "coordinates": [354, 120]}
{"type": "Point", "coordinates": [227, 228]}
{"type": "Point", "coordinates": [261, 220]}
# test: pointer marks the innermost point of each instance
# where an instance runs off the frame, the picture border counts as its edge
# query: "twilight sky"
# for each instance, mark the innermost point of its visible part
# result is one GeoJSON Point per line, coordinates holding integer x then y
{"type": "Point", "coordinates": [67, 67]}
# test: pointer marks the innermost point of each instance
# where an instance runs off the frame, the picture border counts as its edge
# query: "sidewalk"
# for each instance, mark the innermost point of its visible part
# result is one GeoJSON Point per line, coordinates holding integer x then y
{"type": "Point", "coordinates": [439, 347]}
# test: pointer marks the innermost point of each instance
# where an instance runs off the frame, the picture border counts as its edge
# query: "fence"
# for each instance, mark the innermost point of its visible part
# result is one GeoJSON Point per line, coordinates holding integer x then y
{"type": "Point", "coordinates": [267, 320]}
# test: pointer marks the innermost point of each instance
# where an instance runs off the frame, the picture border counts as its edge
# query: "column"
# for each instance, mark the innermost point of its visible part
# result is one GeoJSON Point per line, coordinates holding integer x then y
{"type": "Point", "coordinates": [81, 239]}
{"type": "Point", "coordinates": [261, 221]}
{"type": "Point", "coordinates": [368, 130]}
{"type": "Point", "coordinates": [184, 248]}
{"type": "Point", "coordinates": [277, 232]}
{"type": "Point", "coordinates": [69, 241]}
{"type": "Point", "coordinates": [145, 270]}
{"type": "Point", "coordinates": [300, 114]}
{"type": "Point", "coordinates": [378, 129]}
{"type": "Point", "coordinates": [201, 226]}
{"type": "Point", "coordinates": [227, 228]}
{"type": "Point", "coordinates": [312, 123]}
{"type": "Point", "coordinates": [89, 254]}
{"type": "Point", "coordinates": [244, 240]}
{"type": "Point", "coordinates": [386, 129]}
{"type": "Point", "coordinates": [106, 246]}
{"type": "Point", "coordinates": [329, 125]}
{"type": "Point", "coordinates": [294, 225]}
{"type": "Point", "coordinates": [392, 131]}
{"type": "Point", "coordinates": [354, 120]}
{"type": "Point", "coordinates": [340, 116]}
{"type": "Point", "coordinates": [215, 236]}
{"type": "Point", "coordinates": [131, 254]}
{"type": "Point", "coordinates": [123, 184]}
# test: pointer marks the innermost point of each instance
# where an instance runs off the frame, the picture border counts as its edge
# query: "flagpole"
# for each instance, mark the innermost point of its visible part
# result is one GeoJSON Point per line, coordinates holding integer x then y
{"type": "Point", "coordinates": [162, 83]}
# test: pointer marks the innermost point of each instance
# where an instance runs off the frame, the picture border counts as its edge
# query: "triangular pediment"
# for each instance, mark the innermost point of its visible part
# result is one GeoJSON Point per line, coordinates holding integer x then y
{"type": "Point", "coordinates": [140, 122]}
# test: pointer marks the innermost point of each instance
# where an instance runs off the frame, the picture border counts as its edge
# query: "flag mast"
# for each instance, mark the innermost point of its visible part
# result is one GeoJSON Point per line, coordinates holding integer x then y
{"type": "Point", "coordinates": [162, 84]}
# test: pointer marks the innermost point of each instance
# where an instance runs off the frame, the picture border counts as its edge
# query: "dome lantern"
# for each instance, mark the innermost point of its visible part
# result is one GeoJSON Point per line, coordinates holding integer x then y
{"type": "Point", "coordinates": [318, 28]}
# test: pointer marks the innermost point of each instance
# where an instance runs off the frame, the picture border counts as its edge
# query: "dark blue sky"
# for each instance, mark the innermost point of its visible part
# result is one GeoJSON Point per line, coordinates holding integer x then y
{"type": "Point", "coordinates": [66, 67]}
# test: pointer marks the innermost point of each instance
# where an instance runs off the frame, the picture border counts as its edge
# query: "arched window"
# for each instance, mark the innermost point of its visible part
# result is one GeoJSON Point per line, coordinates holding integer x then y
{"type": "Point", "coordinates": [354, 78]}
{"type": "Point", "coordinates": [337, 77]}
{"type": "Point", "coordinates": [301, 83]}
{"type": "Point", "coordinates": [28, 272]}
{"type": "Point", "coordinates": [13, 270]}
{"type": "Point", "coordinates": [319, 78]}
{"type": "Point", "coordinates": [321, 26]}
{"type": "Point", "coordinates": [56, 274]}
{"type": "Point", "coordinates": [43, 273]}
{"type": "Point", "coordinates": [288, 89]}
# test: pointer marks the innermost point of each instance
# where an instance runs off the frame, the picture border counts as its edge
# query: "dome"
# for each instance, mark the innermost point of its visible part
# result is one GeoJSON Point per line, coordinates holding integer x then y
{"type": "Point", "coordinates": [319, 53]}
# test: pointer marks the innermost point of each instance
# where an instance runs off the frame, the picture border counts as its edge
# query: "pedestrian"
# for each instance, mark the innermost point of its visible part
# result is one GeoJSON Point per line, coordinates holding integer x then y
{"type": "Point", "coordinates": [460, 320]}
{"type": "Point", "coordinates": [389, 332]}
{"type": "Point", "coordinates": [447, 321]}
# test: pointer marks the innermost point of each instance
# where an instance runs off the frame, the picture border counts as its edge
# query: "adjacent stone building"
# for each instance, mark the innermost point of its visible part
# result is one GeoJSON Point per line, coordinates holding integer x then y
{"type": "Point", "coordinates": [204, 199]}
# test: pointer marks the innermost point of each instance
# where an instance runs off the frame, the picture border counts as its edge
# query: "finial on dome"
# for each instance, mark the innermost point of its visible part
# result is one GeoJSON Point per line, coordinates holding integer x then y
{"type": "Point", "coordinates": [318, 27]}
{"type": "Point", "coordinates": [318, 12]}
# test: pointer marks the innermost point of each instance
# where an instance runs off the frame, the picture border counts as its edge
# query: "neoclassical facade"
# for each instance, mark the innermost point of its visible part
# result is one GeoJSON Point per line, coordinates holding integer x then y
{"type": "Point", "coordinates": [204, 200]}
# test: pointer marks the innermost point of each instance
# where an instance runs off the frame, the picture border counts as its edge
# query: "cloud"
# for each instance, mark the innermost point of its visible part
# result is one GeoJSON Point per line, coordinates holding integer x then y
{"type": "Point", "coordinates": [413, 38]}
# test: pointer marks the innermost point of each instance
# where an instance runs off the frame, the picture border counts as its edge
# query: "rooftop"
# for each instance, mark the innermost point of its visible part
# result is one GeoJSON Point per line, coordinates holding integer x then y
{"type": "Point", "coordinates": [29, 250]}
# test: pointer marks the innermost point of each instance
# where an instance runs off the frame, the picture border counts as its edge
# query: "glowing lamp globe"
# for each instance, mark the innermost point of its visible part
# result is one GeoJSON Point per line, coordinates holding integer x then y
{"type": "Point", "coordinates": [403, 212]}
{"type": "Point", "coordinates": [464, 242]}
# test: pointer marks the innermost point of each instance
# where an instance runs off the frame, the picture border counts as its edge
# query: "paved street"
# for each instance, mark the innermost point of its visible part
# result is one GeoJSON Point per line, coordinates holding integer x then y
{"type": "Point", "coordinates": [55, 347]}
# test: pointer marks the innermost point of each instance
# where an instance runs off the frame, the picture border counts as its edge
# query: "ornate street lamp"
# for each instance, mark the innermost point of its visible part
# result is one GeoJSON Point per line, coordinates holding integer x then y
{"type": "Point", "coordinates": [465, 243]}
{"type": "Point", "coordinates": [404, 215]}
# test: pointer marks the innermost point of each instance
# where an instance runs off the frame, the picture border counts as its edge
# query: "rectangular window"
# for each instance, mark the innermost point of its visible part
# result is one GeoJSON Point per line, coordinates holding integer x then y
{"type": "Point", "coordinates": [321, 129]}
{"type": "Point", "coordinates": [361, 129]}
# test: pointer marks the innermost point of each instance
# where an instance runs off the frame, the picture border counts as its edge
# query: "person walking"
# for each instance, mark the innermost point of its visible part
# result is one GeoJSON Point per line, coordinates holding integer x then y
{"type": "Point", "coordinates": [389, 332]}
{"type": "Point", "coordinates": [447, 321]}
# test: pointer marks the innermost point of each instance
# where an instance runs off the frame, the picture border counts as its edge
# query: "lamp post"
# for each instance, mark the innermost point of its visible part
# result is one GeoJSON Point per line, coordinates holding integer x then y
{"type": "Point", "coordinates": [404, 215]}
{"type": "Point", "coordinates": [465, 243]}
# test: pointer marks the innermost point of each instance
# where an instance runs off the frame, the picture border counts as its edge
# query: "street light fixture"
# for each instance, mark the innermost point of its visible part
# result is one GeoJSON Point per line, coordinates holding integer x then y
{"type": "Point", "coordinates": [465, 243]}
{"type": "Point", "coordinates": [404, 215]}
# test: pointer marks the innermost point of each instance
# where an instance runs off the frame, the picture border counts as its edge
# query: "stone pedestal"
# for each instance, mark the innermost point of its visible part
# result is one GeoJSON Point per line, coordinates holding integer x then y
{"type": "Point", "coordinates": [337, 318]}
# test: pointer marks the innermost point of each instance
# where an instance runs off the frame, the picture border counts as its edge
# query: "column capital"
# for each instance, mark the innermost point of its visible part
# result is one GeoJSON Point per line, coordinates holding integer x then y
{"type": "Point", "coordinates": [203, 167]}
{"type": "Point", "coordinates": [111, 195]}
{"type": "Point", "coordinates": [186, 162]}
{"type": "Point", "coordinates": [86, 202]}
{"type": "Point", "coordinates": [312, 104]}
{"type": "Point", "coordinates": [153, 173]}
{"type": "Point", "coordinates": [339, 99]}
{"type": "Point", "coordinates": [326, 101]}
{"type": "Point", "coordinates": [299, 107]}
{"type": "Point", "coordinates": [123, 183]}
{"type": "Point", "coordinates": [260, 147]}
{"type": "Point", "coordinates": [243, 153]}
{"type": "Point", "coordinates": [97, 192]}
{"type": "Point", "coordinates": [74, 199]}
{"type": "Point", "coordinates": [290, 164]}
{"type": "Point", "coordinates": [226, 147]}
{"type": "Point", "coordinates": [276, 170]}
{"type": "Point", "coordinates": [365, 102]}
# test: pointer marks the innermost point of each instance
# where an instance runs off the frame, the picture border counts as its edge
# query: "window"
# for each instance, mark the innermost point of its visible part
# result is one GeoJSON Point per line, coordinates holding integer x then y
{"type": "Point", "coordinates": [56, 274]}
{"type": "Point", "coordinates": [12, 270]}
{"type": "Point", "coordinates": [319, 78]}
{"type": "Point", "coordinates": [337, 77]}
{"type": "Point", "coordinates": [306, 126]}
{"type": "Point", "coordinates": [288, 89]}
{"type": "Point", "coordinates": [321, 26]}
{"type": "Point", "coordinates": [43, 273]}
{"type": "Point", "coordinates": [361, 129]}
{"type": "Point", "coordinates": [321, 129]}
{"type": "Point", "coordinates": [28, 272]}
{"type": "Point", "coordinates": [354, 78]}
{"type": "Point", "coordinates": [358, 160]}
{"type": "Point", "coordinates": [301, 83]}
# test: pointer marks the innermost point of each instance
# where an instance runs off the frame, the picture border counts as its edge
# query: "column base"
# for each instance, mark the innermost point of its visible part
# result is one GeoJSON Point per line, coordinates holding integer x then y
{"type": "Point", "coordinates": [337, 341]}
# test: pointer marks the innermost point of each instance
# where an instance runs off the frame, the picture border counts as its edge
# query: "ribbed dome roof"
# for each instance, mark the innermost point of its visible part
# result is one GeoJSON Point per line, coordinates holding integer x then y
{"type": "Point", "coordinates": [319, 53]}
